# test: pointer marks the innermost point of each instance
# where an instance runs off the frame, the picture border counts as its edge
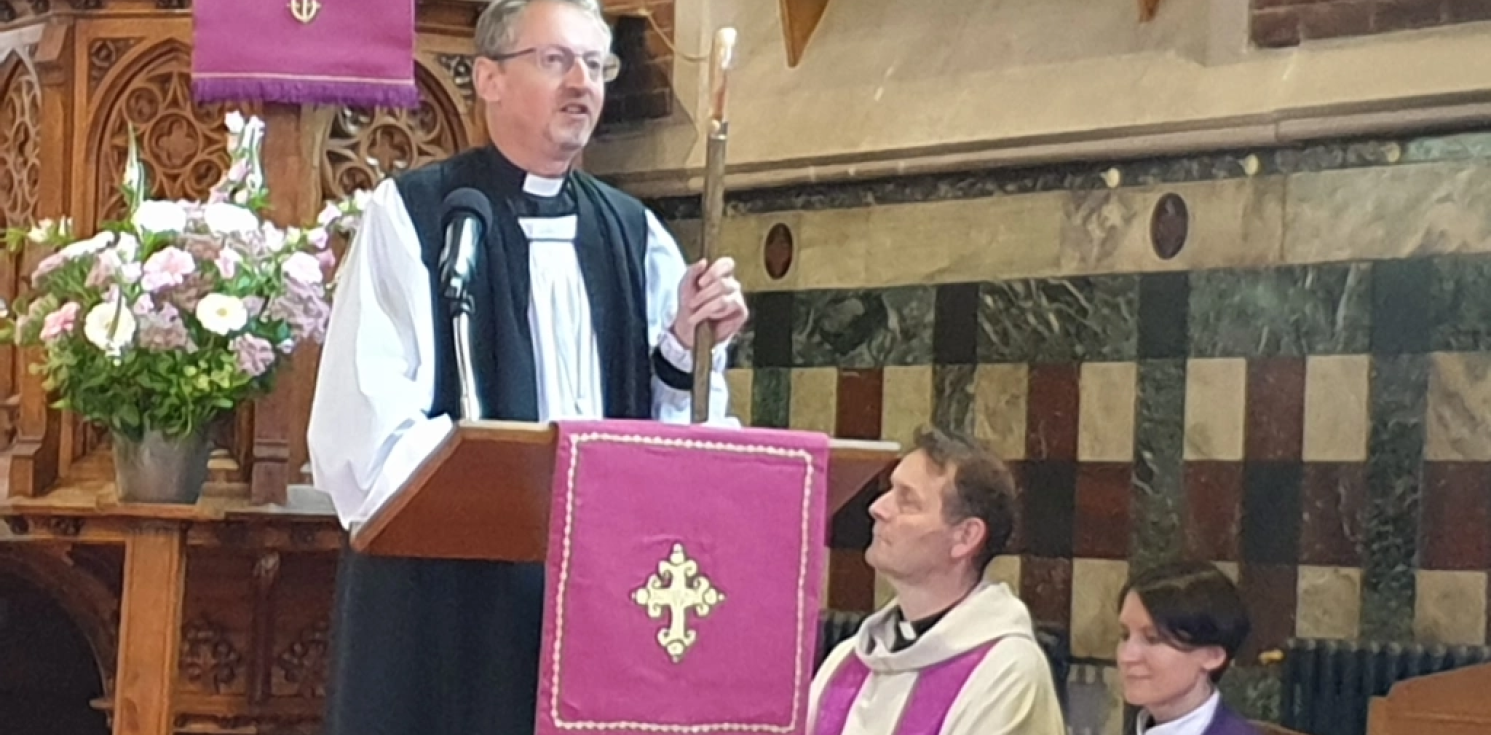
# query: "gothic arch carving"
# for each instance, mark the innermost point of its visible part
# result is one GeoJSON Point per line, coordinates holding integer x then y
{"type": "Point", "coordinates": [395, 139]}
{"type": "Point", "coordinates": [20, 153]}
{"type": "Point", "coordinates": [183, 144]}
{"type": "Point", "coordinates": [87, 600]}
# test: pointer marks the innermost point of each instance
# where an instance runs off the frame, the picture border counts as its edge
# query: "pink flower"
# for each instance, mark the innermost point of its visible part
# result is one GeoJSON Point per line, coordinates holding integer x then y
{"type": "Point", "coordinates": [255, 355]}
{"type": "Point", "coordinates": [60, 322]}
{"type": "Point", "coordinates": [167, 267]}
{"type": "Point", "coordinates": [303, 267]}
{"type": "Point", "coordinates": [47, 265]}
{"type": "Point", "coordinates": [227, 262]}
{"type": "Point", "coordinates": [104, 269]}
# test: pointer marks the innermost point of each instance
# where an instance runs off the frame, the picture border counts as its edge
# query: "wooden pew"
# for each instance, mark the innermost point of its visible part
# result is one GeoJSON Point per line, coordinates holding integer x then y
{"type": "Point", "coordinates": [1452, 703]}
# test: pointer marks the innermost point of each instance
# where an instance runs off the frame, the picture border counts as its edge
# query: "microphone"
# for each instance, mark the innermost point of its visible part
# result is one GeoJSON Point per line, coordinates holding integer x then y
{"type": "Point", "coordinates": [467, 216]}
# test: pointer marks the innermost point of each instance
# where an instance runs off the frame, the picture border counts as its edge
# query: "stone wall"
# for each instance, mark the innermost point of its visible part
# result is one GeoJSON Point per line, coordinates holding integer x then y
{"type": "Point", "coordinates": [1301, 393]}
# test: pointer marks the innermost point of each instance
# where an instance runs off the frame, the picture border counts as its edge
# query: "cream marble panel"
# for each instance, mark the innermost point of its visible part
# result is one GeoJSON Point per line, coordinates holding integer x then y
{"type": "Point", "coordinates": [1329, 602]}
{"type": "Point", "coordinates": [1336, 408]}
{"type": "Point", "coordinates": [965, 240]}
{"type": "Point", "coordinates": [1236, 222]}
{"type": "Point", "coordinates": [1095, 587]}
{"type": "Point", "coordinates": [1105, 429]}
{"type": "Point", "coordinates": [1216, 393]}
{"type": "Point", "coordinates": [1459, 422]}
{"type": "Point", "coordinates": [1388, 212]}
{"type": "Point", "coordinates": [906, 402]}
{"type": "Point", "coordinates": [1000, 393]}
{"type": "Point", "coordinates": [740, 383]}
{"type": "Point", "coordinates": [814, 399]}
{"type": "Point", "coordinates": [884, 593]}
{"type": "Point", "coordinates": [1232, 569]}
{"type": "Point", "coordinates": [1450, 608]}
{"type": "Point", "coordinates": [1005, 569]}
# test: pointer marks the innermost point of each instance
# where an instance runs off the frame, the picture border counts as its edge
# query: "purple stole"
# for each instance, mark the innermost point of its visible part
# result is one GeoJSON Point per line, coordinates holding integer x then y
{"type": "Point", "coordinates": [926, 709]}
{"type": "Point", "coordinates": [1227, 722]}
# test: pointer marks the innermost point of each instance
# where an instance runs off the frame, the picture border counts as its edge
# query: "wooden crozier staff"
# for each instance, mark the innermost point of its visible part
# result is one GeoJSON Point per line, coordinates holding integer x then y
{"type": "Point", "coordinates": [717, 128]}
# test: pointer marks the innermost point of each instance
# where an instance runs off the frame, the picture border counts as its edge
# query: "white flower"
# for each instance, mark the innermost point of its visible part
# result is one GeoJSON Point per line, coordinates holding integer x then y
{"type": "Point", "coordinates": [274, 238]}
{"type": "Point", "coordinates": [223, 218]}
{"type": "Point", "coordinates": [41, 231]}
{"type": "Point", "coordinates": [221, 313]}
{"type": "Point", "coordinates": [234, 121]}
{"type": "Point", "coordinates": [128, 247]}
{"type": "Point", "coordinates": [160, 216]}
{"type": "Point", "coordinates": [360, 199]}
{"type": "Point", "coordinates": [303, 267]}
{"type": "Point", "coordinates": [109, 326]}
{"type": "Point", "coordinates": [87, 247]}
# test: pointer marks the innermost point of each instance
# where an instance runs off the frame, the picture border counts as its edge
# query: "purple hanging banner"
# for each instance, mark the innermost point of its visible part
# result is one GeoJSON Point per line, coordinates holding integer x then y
{"type": "Point", "coordinates": [334, 52]}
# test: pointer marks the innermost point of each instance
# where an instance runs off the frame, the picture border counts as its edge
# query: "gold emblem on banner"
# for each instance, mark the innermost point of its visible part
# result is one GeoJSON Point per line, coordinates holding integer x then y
{"type": "Point", "coordinates": [676, 590]}
{"type": "Point", "coordinates": [305, 11]}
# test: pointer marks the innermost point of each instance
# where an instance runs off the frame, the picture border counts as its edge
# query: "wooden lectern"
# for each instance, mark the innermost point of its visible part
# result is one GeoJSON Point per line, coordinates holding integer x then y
{"type": "Point", "coordinates": [484, 493]}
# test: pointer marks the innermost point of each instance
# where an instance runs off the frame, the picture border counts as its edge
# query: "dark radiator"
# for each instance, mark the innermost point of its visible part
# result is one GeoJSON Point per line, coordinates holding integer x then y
{"type": "Point", "coordinates": [1328, 684]}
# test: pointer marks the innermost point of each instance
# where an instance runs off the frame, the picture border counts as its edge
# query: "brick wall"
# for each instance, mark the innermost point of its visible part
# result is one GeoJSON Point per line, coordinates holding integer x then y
{"type": "Point", "coordinates": [644, 90]}
{"type": "Point", "coordinates": [1280, 23]}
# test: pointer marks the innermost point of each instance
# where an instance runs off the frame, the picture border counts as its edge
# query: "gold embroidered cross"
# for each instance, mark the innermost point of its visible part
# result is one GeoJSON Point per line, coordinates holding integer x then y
{"type": "Point", "coordinates": [677, 589]}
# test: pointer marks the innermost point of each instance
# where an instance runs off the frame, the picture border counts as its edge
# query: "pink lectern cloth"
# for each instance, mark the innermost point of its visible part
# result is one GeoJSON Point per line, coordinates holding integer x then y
{"type": "Point", "coordinates": [349, 52]}
{"type": "Point", "coordinates": [744, 509]}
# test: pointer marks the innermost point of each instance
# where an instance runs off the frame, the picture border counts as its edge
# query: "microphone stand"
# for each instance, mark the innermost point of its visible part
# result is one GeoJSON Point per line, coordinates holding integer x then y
{"type": "Point", "coordinates": [459, 303]}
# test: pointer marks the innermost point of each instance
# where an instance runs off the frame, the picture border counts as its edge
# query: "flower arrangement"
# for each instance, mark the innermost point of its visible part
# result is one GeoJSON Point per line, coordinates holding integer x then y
{"type": "Point", "coordinates": [160, 323]}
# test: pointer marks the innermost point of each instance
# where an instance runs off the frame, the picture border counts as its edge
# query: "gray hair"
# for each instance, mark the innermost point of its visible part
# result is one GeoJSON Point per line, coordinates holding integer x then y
{"type": "Point", "coordinates": [497, 28]}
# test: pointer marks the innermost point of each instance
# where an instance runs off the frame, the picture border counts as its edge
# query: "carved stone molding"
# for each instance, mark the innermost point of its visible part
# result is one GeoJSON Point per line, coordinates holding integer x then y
{"type": "Point", "coordinates": [458, 68]}
{"type": "Point", "coordinates": [8, 12]}
{"type": "Point", "coordinates": [208, 657]}
{"type": "Point", "coordinates": [173, 4]}
{"type": "Point", "coordinates": [18, 526]}
{"type": "Point", "coordinates": [86, 4]}
{"type": "Point", "coordinates": [365, 145]}
{"type": "Point", "coordinates": [304, 664]}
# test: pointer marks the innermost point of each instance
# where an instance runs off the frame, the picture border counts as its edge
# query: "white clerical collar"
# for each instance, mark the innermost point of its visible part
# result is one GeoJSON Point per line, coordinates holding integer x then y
{"type": "Point", "coordinates": [542, 186]}
{"type": "Point", "coordinates": [1194, 722]}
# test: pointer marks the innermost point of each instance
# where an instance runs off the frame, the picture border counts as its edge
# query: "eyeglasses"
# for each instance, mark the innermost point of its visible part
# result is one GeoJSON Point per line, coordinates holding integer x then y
{"type": "Point", "coordinates": [557, 61]}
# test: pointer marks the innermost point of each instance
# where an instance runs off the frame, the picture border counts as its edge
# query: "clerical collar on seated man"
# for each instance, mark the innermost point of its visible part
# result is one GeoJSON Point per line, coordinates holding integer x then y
{"type": "Point", "coordinates": [509, 177]}
{"type": "Point", "coordinates": [910, 631]}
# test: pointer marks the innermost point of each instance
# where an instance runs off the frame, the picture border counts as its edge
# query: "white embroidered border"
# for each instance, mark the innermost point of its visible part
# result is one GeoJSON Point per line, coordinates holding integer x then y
{"type": "Point", "coordinates": [802, 573]}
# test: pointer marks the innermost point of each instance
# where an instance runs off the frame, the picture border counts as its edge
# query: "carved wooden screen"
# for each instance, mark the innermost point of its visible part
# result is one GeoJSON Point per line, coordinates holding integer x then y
{"type": "Point", "coordinates": [20, 167]}
{"type": "Point", "coordinates": [364, 145]}
{"type": "Point", "coordinates": [184, 146]}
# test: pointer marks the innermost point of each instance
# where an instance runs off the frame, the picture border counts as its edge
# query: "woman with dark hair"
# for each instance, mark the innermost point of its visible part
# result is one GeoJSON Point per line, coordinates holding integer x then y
{"type": "Point", "coordinates": [1181, 625]}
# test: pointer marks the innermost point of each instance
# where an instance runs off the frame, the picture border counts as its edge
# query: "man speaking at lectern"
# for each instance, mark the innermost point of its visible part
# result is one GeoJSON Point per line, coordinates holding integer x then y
{"type": "Point", "coordinates": [580, 307]}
